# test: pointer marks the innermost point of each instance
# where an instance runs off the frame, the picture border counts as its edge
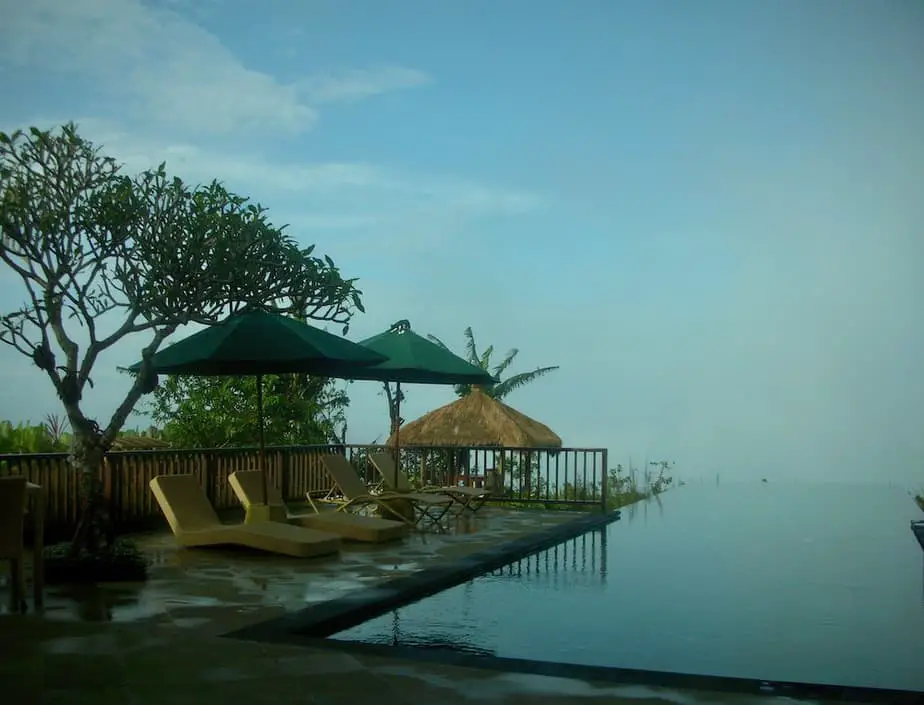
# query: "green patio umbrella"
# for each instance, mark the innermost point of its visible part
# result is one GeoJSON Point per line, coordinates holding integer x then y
{"type": "Point", "coordinates": [259, 343]}
{"type": "Point", "coordinates": [414, 359]}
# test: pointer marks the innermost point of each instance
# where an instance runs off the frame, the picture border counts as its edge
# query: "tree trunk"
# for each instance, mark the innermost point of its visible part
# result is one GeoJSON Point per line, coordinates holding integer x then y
{"type": "Point", "coordinates": [94, 530]}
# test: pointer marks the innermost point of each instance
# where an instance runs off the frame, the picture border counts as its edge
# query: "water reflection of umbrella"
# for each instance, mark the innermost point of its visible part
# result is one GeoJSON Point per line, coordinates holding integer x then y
{"type": "Point", "coordinates": [433, 639]}
{"type": "Point", "coordinates": [260, 343]}
{"type": "Point", "coordinates": [414, 359]}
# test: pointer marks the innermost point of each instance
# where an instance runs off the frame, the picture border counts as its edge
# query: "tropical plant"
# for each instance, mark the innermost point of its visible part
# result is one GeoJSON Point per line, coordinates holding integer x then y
{"type": "Point", "coordinates": [103, 255]}
{"type": "Point", "coordinates": [657, 484]}
{"type": "Point", "coordinates": [506, 386]}
{"type": "Point", "coordinates": [214, 412]}
{"type": "Point", "coordinates": [29, 438]}
{"type": "Point", "coordinates": [56, 426]}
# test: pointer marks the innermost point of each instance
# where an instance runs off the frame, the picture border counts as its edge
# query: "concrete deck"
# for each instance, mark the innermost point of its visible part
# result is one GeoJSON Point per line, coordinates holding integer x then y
{"type": "Point", "coordinates": [159, 642]}
{"type": "Point", "coordinates": [220, 590]}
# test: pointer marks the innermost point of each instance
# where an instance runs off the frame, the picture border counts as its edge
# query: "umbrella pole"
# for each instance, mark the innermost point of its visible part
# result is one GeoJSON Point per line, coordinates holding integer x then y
{"type": "Point", "coordinates": [397, 448]}
{"type": "Point", "coordinates": [262, 438]}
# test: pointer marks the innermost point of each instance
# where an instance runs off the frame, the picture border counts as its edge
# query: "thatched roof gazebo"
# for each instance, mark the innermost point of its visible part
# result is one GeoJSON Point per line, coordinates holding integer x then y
{"type": "Point", "coordinates": [478, 420]}
{"type": "Point", "coordinates": [139, 443]}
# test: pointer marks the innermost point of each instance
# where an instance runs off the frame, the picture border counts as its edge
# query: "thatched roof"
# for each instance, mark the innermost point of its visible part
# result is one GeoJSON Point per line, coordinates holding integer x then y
{"type": "Point", "coordinates": [139, 443]}
{"type": "Point", "coordinates": [478, 420]}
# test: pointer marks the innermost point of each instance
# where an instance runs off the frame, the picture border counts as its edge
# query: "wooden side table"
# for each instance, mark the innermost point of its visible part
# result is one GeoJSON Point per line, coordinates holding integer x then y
{"type": "Point", "coordinates": [36, 501]}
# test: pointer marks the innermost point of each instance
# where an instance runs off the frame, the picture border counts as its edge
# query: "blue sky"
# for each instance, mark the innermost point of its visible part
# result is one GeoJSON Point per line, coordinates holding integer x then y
{"type": "Point", "coordinates": [709, 214]}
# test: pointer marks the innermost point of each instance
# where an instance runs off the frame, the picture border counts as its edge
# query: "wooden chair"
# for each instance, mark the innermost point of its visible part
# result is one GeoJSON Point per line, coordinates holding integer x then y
{"type": "Point", "coordinates": [12, 523]}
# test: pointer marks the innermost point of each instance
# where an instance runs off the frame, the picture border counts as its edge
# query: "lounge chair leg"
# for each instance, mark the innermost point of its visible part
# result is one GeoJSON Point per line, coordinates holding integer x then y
{"type": "Point", "coordinates": [435, 519]}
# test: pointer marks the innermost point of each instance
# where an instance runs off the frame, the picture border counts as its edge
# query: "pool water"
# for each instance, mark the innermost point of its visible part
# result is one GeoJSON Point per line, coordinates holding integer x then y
{"type": "Point", "coordinates": [810, 583]}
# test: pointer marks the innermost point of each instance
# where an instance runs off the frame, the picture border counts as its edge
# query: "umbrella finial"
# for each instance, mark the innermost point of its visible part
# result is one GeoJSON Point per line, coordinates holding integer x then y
{"type": "Point", "coordinates": [402, 326]}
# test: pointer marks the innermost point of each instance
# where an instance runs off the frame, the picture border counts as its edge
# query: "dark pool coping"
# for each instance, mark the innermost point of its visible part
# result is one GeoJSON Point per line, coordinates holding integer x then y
{"type": "Point", "coordinates": [622, 676]}
{"type": "Point", "coordinates": [332, 616]}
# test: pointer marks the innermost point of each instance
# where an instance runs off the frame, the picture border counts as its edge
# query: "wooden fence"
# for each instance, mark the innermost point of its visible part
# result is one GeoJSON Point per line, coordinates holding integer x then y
{"type": "Point", "coordinates": [521, 475]}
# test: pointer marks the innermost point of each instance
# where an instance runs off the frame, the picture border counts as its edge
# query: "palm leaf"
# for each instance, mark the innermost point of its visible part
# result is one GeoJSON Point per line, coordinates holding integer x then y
{"type": "Point", "coordinates": [485, 360]}
{"type": "Point", "coordinates": [433, 339]}
{"type": "Point", "coordinates": [470, 348]}
{"type": "Point", "coordinates": [506, 362]}
{"type": "Point", "coordinates": [513, 383]}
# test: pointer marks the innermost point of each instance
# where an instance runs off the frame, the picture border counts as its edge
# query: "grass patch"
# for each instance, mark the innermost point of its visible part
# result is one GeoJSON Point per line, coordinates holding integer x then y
{"type": "Point", "coordinates": [123, 561]}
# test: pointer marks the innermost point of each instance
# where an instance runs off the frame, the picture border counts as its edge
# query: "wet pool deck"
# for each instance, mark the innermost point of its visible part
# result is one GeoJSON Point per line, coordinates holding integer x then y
{"type": "Point", "coordinates": [222, 590]}
{"type": "Point", "coordinates": [161, 642]}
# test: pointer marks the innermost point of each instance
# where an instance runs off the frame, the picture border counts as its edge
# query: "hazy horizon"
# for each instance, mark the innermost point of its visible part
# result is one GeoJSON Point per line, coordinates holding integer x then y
{"type": "Point", "coordinates": [709, 215]}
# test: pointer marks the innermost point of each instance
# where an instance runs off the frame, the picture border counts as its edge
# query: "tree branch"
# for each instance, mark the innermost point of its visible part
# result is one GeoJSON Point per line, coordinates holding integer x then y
{"type": "Point", "coordinates": [136, 392]}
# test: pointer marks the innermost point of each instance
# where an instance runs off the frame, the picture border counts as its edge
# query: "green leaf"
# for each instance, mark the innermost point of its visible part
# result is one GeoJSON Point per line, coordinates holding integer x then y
{"type": "Point", "coordinates": [503, 388]}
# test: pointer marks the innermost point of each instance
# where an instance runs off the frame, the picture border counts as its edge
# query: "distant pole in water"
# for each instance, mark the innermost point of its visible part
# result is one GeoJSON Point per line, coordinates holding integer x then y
{"type": "Point", "coordinates": [717, 479]}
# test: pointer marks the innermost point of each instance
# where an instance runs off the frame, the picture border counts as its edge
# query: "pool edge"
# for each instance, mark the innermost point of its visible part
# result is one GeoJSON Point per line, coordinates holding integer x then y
{"type": "Point", "coordinates": [332, 616]}
{"type": "Point", "coordinates": [669, 680]}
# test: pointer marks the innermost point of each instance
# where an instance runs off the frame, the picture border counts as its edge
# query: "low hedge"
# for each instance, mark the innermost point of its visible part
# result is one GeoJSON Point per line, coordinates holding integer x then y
{"type": "Point", "coordinates": [122, 561]}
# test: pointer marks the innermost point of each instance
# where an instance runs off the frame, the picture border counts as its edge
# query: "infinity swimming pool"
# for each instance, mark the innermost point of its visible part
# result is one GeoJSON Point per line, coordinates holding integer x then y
{"type": "Point", "coordinates": [808, 583]}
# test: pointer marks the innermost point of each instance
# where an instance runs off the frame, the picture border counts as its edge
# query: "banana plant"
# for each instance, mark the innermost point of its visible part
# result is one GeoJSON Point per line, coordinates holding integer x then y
{"type": "Point", "coordinates": [506, 386]}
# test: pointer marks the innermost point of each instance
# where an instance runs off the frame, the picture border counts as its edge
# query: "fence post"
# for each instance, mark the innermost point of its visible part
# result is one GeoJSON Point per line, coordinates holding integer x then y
{"type": "Point", "coordinates": [603, 488]}
{"type": "Point", "coordinates": [284, 473]}
{"type": "Point", "coordinates": [211, 470]}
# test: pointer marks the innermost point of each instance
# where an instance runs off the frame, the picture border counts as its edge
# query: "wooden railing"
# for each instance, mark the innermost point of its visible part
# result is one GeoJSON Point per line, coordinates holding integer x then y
{"type": "Point", "coordinates": [571, 476]}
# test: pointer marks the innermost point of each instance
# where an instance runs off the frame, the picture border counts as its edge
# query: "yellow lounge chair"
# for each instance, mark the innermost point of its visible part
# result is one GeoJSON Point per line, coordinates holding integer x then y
{"type": "Point", "coordinates": [248, 487]}
{"type": "Point", "coordinates": [470, 498]}
{"type": "Point", "coordinates": [195, 523]}
{"type": "Point", "coordinates": [350, 492]}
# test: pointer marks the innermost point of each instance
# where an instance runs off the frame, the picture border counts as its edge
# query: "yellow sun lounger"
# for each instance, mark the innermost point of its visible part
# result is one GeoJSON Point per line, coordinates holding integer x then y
{"type": "Point", "coordinates": [195, 523]}
{"type": "Point", "coordinates": [470, 498]}
{"type": "Point", "coordinates": [350, 492]}
{"type": "Point", "coordinates": [248, 487]}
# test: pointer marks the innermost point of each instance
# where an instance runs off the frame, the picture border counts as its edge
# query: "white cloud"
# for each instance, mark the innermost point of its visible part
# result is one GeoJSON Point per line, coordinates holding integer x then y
{"type": "Point", "coordinates": [173, 72]}
{"type": "Point", "coordinates": [355, 84]}
{"type": "Point", "coordinates": [340, 195]}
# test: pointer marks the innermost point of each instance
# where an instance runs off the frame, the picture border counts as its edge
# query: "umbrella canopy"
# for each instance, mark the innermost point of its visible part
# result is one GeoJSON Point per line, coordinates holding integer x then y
{"type": "Point", "coordinates": [261, 343]}
{"type": "Point", "coordinates": [479, 420]}
{"type": "Point", "coordinates": [414, 359]}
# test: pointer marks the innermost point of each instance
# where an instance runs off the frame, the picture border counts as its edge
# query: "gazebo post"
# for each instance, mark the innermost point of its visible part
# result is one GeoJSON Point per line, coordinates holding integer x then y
{"type": "Point", "coordinates": [499, 470]}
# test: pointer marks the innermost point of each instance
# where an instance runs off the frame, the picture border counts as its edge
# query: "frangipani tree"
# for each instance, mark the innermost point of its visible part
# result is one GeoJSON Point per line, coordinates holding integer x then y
{"type": "Point", "coordinates": [104, 256]}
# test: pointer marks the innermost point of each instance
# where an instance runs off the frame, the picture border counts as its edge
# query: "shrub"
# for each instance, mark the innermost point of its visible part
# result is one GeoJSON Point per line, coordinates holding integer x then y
{"type": "Point", "coordinates": [122, 561]}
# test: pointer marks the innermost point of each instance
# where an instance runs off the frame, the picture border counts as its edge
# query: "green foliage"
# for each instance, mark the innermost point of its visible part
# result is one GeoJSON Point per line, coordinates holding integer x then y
{"type": "Point", "coordinates": [147, 251]}
{"type": "Point", "coordinates": [120, 561]}
{"type": "Point", "coordinates": [215, 412]}
{"type": "Point", "coordinates": [32, 438]}
{"type": "Point", "coordinates": [506, 386]}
